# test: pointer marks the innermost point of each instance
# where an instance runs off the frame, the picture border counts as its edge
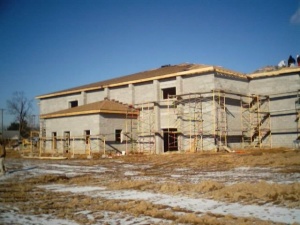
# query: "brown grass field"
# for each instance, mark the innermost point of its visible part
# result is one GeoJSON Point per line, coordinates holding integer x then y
{"type": "Point", "coordinates": [260, 178]}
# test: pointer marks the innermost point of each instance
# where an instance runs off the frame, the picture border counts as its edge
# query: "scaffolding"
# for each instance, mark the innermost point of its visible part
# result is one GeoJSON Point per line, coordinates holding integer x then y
{"type": "Point", "coordinates": [146, 128]}
{"type": "Point", "coordinates": [130, 134]}
{"type": "Point", "coordinates": [201, 120]}
{"type": "Point", "coordinates": [297, 107]}
{"type": "Point", "coordinates": [76, 145]}
{"type": "Point", "coordinates": [221, 128]}
{"type": "Point", "coordinates": [192, 122]}
{"type": "Point", "coordinates": [188, 121]}
{"type": "Point", "coordinates": [256, 121]}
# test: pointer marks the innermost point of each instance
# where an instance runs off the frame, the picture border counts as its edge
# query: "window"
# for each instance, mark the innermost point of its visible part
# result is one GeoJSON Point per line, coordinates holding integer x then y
{"type": "Point", "coordinates": [73, 104]}
{"type": "Point", "coordinates": [118, 135]}
{"type": "Point", "coordinates": [168, 91]}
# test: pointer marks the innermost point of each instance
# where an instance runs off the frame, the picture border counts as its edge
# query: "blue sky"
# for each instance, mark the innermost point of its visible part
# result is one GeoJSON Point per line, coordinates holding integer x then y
{"type": "Point", "coordinates": [51, 45]}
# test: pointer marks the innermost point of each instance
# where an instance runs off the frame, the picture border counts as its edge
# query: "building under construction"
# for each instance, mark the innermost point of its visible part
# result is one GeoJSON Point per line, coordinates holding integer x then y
{"type": "Point", "coordinates": [184, 108]}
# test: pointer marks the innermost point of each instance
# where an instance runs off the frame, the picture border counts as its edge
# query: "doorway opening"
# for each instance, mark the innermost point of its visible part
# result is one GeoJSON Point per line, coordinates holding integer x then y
{"type": "Point", "coordinates": [170, 139]}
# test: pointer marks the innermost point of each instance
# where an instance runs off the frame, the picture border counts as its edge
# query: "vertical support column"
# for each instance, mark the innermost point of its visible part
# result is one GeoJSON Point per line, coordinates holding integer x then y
{"type": "Point", "coordinates": [179, 90]}
{"type": "Point", "coordinates": [83, 97]}
{"type": "Point", "coordinates": [106, 93]}
{"type": "Point", "coordinates": [132, 95]}
{"type": "Point", "coordinates": [157, 128]}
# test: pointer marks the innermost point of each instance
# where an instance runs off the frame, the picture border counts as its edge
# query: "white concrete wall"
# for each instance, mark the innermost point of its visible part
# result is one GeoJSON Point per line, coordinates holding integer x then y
{"type": "Point", "coordinates": [283, 95]}
{"type": "Point", "coordinates": [274, 84]}
{"type": "Point", "coordinates": [95, 96]}
{"type": "Point", "coordinates": [231, 84]}
{"type": "Point", "coordinates": [144, 92]}
{"type": "Point", "coordinates": [197, 83]}
{"type": "Point", "coordinates": [76, 126]}
{"type": "Point", "coordinates": [54, 104]}
{"type": "Point", "coordinates": [109, 123]}
{"type": "Point", "coordinates": [122, 94]}
{"type": "Point", "coordinates": [281, 123]}
{"type": "Point", "coordinates": [104, 125]}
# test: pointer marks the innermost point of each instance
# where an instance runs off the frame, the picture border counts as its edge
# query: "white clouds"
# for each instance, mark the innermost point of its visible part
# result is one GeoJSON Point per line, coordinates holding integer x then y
{"type": "Point", "coordinates": [295, 19]}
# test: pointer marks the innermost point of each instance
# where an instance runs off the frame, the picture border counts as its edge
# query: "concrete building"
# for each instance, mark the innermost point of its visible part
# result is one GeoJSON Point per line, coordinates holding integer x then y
{"type": "Point", "coordinates": [184, 108]}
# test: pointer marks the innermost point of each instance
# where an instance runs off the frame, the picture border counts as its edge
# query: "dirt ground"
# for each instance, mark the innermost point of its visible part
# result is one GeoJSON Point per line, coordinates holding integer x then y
{"type": "Point", "coordinates": [246, 187]}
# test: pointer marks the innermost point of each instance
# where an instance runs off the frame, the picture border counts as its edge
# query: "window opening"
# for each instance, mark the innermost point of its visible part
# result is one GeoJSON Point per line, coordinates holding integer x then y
{"type": "Point", "coordinates": [118, 135]}
{"type": "Point", "coordinates": [166, 92]}
{"type": "Point", "coordinates": [73, 104]}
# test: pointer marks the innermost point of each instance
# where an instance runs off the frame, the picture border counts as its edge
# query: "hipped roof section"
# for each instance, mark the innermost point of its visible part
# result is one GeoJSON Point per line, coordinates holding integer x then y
{"type": "Point", "coordinates": [163, 72]}
{"type": "Point", "coordinates": [105, 106]}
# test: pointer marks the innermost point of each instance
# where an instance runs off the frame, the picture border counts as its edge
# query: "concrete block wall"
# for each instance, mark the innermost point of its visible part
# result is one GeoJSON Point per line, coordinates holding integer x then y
{"type": "Point", "coordinates": [55, 104]}
{"type": "Point", "coordinates": [95, 96]}
{"type": "Point", "coordinates": [152, 91]}
{"type": "Point", "coordinates": [232, 84]}
{"type": "Point", "coordinates": [144, 92]}
{"type": "Point", "coordinates": [197, 83]}
{"type": "Point", "coordinates": [274, 84]}
{"type": "Point", "coordinates": [282, 90]}
{"type": "Point", "coordinates": [109, 123]}
{"type": "Point", "coordinates": [121, 93]}
{"type": "Point", "coordinates": [75, 125]}
{"type": "Point", "coordinates": [105, 125]}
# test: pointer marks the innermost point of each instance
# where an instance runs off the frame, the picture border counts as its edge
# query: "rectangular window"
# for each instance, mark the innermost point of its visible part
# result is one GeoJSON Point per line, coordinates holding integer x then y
{"type": "Point", "coordinates": [73, 104]}
{"type": "Point", "coordinates": [118, 136]}
{"type": "Point", "coordinates": [168, 92]}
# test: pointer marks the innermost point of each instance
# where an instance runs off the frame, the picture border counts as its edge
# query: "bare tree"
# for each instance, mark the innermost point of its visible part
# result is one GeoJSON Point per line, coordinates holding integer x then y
{"type": "Point", "coordinates": [20, 107]}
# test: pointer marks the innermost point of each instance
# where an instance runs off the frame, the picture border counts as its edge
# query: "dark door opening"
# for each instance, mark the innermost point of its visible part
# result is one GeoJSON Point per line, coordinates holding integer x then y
{"type": "Point", "coordinates": [170, 139]}
{"type": "Point", "coordinates": [54, 140]}
{"type": "Point", "coordinates": [67, 141]}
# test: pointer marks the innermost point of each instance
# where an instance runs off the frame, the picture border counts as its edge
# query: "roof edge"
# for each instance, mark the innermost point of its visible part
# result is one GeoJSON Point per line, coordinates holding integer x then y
{"type": "Point", "coordinates": [58, 115]}
{"type": "Point", "coordinates": [182, 73]}
{"type": "Point", "coordinates": [278, 72]}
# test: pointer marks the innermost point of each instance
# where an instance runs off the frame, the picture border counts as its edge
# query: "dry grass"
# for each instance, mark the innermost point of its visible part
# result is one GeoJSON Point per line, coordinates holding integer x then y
{"type": "Point", "coordinates": [25, 195]}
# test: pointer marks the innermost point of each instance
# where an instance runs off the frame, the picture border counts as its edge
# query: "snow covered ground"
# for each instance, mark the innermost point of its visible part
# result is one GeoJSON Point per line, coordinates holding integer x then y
{"type": "Point", "coordinates": [24, 169]}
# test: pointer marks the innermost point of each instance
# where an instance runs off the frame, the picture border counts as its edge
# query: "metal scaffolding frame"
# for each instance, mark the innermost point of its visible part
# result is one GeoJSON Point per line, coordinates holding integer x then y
{"type": "Point", "coordinates": [94, 144]}
{"type": "Point", "coordinates": [256, 121]}
{"type": "Point", "coordinates": [221, 127]}
{"type": "Point", "coordinates": [131, 130]}
{"type": "Point", "coordinates": [146, 128]}
{"type": "Point", "coordinates": [297, 107]}
{"type": "Point", "coordinates": [201, 120]}
{"type": "Point", "coordinates": [188, 112]}
{"type": "Point", "coordinates": [196, 122]}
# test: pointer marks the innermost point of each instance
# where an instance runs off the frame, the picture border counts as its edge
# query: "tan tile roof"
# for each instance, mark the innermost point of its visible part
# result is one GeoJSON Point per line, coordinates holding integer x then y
{"type": "Point", "coordinates": [160, 73]}
{"type": "Point", "coordinates": [105, 106]}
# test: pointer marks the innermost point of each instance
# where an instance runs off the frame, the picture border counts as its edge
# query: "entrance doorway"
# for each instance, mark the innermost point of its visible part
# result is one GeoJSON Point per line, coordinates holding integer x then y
{"type": "Point", "coordinates": [67, 141]}
{"type": "Point", "coordinates": [54, 141]}
{"type": "Point", "coordinates": [170, 139]}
